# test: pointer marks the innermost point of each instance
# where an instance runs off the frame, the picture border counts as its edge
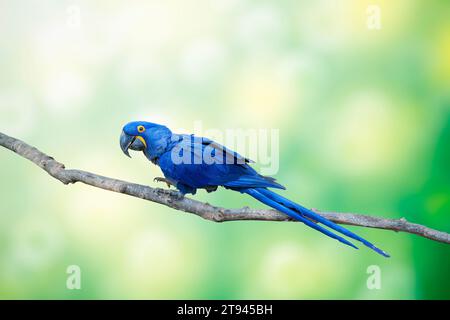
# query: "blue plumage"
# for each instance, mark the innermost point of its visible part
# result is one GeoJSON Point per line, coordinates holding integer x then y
{"type": "Point", "coordinates": [192, 163]}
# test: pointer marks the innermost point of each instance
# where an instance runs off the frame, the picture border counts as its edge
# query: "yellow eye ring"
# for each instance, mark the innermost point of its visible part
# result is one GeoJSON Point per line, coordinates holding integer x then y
{"type": "Point", "coordinates": [141, 129]}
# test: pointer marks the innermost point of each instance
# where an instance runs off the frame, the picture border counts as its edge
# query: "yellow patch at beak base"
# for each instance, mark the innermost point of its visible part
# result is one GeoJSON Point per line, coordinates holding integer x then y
{"type": "Point", "coordinates": [142, 140]}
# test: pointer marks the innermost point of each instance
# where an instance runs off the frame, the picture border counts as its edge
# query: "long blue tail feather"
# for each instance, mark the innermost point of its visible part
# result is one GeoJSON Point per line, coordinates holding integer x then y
{"type": "Point", "coordinates": [302, 214]}
{"type": "Point", "coordinates": [259, 196]}
{"type": "Point", "coordinates": [310, 214]}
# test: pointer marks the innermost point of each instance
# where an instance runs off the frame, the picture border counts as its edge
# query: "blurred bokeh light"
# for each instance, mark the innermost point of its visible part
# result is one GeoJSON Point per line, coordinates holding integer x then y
{"type": "Point", "coordinates": [363, 118]}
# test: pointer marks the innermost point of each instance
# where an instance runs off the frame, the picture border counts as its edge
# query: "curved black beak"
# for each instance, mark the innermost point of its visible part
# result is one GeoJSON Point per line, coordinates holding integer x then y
{"type": "Point", "coordinates": [125, 143]}
{"type": "Point", "coordinates": [128, 142]}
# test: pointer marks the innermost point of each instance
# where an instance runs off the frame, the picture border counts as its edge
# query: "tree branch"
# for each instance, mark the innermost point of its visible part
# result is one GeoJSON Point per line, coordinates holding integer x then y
{"type": "Point", "coordinates": [172, 199]}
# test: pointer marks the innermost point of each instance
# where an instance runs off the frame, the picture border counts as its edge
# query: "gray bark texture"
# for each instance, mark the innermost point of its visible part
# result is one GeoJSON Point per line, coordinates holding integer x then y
{"type": "Point", "coordinates": [207, 211]}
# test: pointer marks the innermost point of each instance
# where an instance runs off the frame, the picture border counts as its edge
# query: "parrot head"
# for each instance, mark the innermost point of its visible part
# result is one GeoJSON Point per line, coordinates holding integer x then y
{"type": "Point", "coordinates": [151, 138]}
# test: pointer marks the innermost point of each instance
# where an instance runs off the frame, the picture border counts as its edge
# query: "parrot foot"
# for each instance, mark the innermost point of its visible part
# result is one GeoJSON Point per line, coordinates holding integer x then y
{"type": "Point", "coordinates": [176, 195]}
{"type": "Point", "coordinates": [211, 189]}
{"type": "Point", "coordinates": [161, 179]}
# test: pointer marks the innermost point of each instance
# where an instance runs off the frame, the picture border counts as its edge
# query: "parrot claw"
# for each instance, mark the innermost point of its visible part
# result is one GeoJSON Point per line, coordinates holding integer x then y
{"type": "Point", "coordinates": [176, 195]}
{"type": "Point", "coordinates": [211, 189]}
{"type": "Point", "coordinates": [161, 179]}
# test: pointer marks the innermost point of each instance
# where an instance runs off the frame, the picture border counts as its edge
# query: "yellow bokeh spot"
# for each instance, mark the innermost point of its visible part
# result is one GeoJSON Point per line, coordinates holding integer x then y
{"type": "Point", "coordinates": [368, 138]}
{"type": "Point", "coordinates": [280, 277]}
{"type": "Point", "coordinates": [263, 94]}
{"type": "Point", "coordinates": [440, 56]}
{"type": "Point", "coordinates": [348, 23]}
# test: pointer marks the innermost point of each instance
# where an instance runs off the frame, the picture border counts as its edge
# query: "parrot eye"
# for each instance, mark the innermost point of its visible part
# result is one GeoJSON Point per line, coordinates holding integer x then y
{"type": "Point", "coordinates": [141, 129]}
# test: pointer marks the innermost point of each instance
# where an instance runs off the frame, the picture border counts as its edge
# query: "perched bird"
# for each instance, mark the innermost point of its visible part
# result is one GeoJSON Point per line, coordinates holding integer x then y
{"type": "Point", "coordinates": [190, 163]}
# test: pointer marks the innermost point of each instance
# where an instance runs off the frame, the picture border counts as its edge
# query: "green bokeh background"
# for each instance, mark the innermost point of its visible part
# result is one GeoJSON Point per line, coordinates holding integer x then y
{"type": "Point", "coordinates": [363, 119]}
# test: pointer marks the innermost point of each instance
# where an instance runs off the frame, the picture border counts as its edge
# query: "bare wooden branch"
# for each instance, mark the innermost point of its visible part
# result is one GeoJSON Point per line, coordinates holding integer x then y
{"type": "Point", "coordinates": [173, 200]}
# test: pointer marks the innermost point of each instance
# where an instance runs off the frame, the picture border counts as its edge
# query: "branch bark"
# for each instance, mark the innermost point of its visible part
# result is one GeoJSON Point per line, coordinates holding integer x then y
{"type": "Point", "coordinates": [206, 211]}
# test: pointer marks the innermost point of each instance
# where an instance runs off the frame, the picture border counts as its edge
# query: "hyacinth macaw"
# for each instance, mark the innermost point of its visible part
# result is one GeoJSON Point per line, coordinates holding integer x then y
{"type": "Point", "coordinates": [190, 163]}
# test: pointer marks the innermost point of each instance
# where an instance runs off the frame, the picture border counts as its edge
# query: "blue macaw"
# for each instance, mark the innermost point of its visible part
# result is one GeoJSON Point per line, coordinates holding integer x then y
{"type": "Point", "coordinates": [190, 163]}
